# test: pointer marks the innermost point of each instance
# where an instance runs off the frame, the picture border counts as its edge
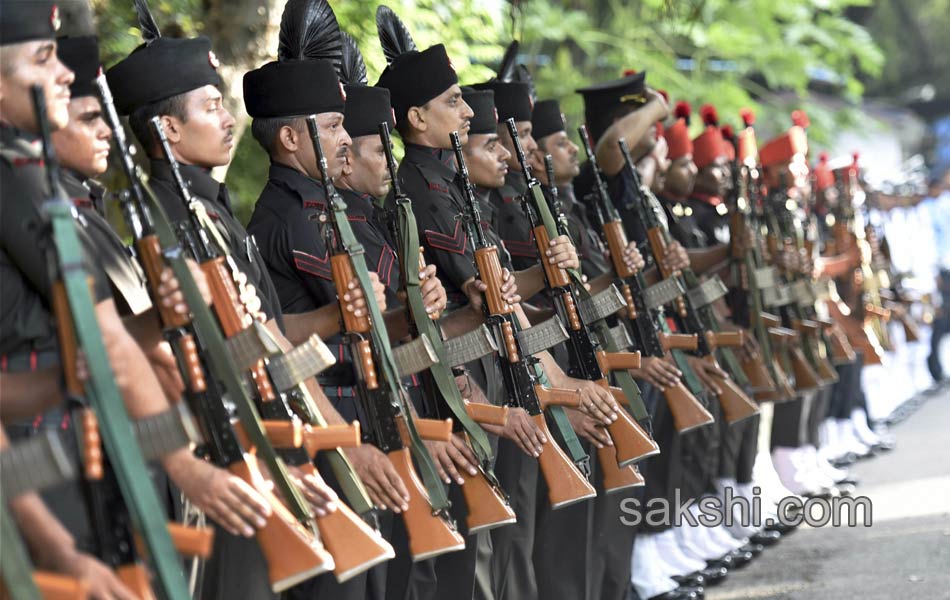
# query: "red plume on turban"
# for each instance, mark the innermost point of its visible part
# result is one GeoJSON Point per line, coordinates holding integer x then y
{"type": "Point", "coordinates": [748, 117]}
{"type": "Point", "coordinates": [800, 118]}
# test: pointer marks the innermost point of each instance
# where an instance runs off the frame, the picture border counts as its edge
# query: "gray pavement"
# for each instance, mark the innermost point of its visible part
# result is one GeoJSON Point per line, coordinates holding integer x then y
{"type": "Point", "coordinates": [903, 555]}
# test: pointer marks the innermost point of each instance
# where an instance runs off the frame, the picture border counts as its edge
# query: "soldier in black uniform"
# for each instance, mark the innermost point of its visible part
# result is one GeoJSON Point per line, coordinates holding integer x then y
{"type": "Point", "coordinates": [176, 80]}
{"type": "Point", "coordinates": [30, 345]}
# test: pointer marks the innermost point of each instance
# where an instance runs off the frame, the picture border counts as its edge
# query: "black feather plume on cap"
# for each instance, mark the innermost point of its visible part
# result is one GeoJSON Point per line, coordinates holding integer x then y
{"type": "Point", "coordinates": [147, 24]}
{"type": "Point", "coordinates": [509, 62]}
{"type": "Point", "coordinates": [309, 31]}
{"type": "Point", "coordinates": [352, 67]}
{"type": "Point", "coordinates": [394, 37]}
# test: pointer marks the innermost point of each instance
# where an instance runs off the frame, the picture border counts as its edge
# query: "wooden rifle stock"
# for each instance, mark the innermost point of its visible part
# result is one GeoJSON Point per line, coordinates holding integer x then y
{"type": "Point", "coordinates": [354, 545]}
{"type": "Point", "coordinates": [678, 341]}
{"type": "Point", "coordinates": [758, 374]}
{"type": "Point", "coordinates": [736, 405]}
{"type": "Point", "coordinates": [566, 485]}
{"type": "Point", "coordinates": [688, 412]}
{"type": "Point", "coordinates": [811, 335]}
{"type": "Point", "coordinates": [838, 346]}
{"type": "Point", "coordinates": [487, 414]}
{"type": "Point", "coordinates": [429, 535]}
{"type": "Point", "coordinates": [631, 442]}
{"type": "Point", "coordinates": [613, 476]}
{"type": "Point", "coordinates": [292, 553]}
{"type": "Point", "coordinates": [54, 586]}
{"type": "Point", "coordinates": [487, 509]}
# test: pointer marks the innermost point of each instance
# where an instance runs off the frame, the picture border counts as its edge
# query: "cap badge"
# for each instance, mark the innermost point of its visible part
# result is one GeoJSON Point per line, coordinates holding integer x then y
{"type": "Point", "coordinates": [213, 60]}
{"type": "Point", "coordinates": [54, 20]}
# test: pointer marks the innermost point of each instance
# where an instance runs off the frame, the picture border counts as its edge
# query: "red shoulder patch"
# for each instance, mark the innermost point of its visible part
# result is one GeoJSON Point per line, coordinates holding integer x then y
{"type": "Point", "coordinates": [308, 263]}
{"type": "Point", "coordinates": [454, 243]}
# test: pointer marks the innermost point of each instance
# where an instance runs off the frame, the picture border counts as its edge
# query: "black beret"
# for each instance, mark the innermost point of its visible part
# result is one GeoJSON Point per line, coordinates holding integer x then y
{"type": "Point", "coordinates": [293, 88]}
{"type": "Point", "coordinates": [546, 119]}
{"type": "Point", "coordinates": [81, 55]}
{"type": "Point", "coordinates": [366, 108]}
{"type": "Point", "coordinates": [512, 99]}
{"type": "Point", "coordinates": [601, 100]}
{"type": "Point", "coordinates": [27, 20]}
{"type": "Point", "coordinates": [482, 103]}
{"type": "Point", "coordinates": [165, 68]}
{"type": "Point", "coordinates": [414, 78]}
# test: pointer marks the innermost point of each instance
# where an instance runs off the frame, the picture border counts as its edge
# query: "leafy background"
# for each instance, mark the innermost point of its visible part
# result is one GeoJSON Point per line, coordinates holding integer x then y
{"type": "Point", "coordinates": [768, 55]}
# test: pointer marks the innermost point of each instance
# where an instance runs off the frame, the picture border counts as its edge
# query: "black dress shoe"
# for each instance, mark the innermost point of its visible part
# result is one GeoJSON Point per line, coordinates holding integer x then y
{"type": "Point", "coordinates": [677, 594]}
{"type": "Point", "coordinates": [698, 590]}
{"type": "Point", "coordinates": [694, 579]}
{"type": "Point", "coordinates": [845, 460]}
{"type": "Point", "coordinates": [766, 537]}
{"type": "Point", "coordinates": [780, 527]}
{"type": "Point", "coordinates": [740, 558]}
{"type": "Point", "coordinates": [845, 489]}
{"type": "Point", "coordinates": [825, 493]}
{"type": "Point", "coordinates": [723, 561]}
{"type": "Point", "coordinates": [714, 575]}
{"type": "Point", "coordinates": [753, 548]}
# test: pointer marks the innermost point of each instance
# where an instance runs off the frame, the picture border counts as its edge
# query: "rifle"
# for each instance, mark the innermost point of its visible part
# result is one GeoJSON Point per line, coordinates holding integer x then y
{"type": "Point", "coordinates": [487, 504]}
{"type": "Point", "coordinates": [649, 324]}
{"type": "Point", "coordinates": [564, 288]}
{"type": "Point", "coordinates": [289, 539]}
{"type": "Point", "coordinates": [694, 309]}
{"type": "Point", "coordinates": [73, 303]}
{"type": "Point", "coordinates": [566, 484]}
{"type": "Point", "coordinates": [380, 392]}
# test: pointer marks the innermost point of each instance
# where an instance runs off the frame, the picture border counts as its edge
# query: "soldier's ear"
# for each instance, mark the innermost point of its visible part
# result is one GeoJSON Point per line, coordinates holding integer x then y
{"type": "Point", "coordinates": [288, 139]}
{"type": "Point", "coordinates": [172, 127]}
{"type": "Point", "coordinates": [417, 119]}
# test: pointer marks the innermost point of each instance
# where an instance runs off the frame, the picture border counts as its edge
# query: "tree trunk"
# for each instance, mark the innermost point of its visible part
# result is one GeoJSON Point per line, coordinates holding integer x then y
{"type": "Point", "coordinates": [244, 36]}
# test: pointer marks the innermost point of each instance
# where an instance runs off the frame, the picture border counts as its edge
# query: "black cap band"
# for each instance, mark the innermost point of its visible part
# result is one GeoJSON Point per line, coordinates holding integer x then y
{"type": "Point", "coordinates": [293, 88]}
{"type": "Point", "coordinates": [27, 20]}
{"type": "Point", "coordinates": [482, 103]}
{"type": "Point", "coordinates": [366, 108]}
{"type": "Point", "coordinates": [165, 68]}
{"type": "Point", "coordinates": [81, 55]}
{"type": "Point", "coordinates": [414, 78]}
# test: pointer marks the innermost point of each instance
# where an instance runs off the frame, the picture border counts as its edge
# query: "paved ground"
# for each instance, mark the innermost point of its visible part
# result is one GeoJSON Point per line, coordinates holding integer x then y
{"type": "Point", "coordinates": [903, 555]}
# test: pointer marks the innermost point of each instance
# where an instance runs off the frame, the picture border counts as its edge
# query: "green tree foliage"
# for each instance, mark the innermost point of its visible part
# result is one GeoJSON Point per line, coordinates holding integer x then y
{"type": "Point", "coordinates": [757, 53]}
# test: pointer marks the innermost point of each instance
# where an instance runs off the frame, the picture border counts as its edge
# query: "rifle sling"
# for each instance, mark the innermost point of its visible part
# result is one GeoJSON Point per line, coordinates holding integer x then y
{"type": "Point", "coordinates": [387, 366]}
{"type": "Point", "coordinates": [216, 351]}
{"type": "Point", "coordinates": [449, 352]}
{"type": "Point", "coordinates": [117, 437]}
{"type": "Point", "coordinates": [16, 570]}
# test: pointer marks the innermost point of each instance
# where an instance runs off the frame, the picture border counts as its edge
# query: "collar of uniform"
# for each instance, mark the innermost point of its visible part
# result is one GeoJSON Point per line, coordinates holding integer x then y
{"type": "Point", "coordinates": [307, 188]}
{"type": "Point", "coordinates": [438, 159]}
{"type": "Point", "coordinates": [74, 184]}
{"type": "Point", "coordinates": [20, 143]}
{"type": "Point", "coordinates": [198, 180]}
{"type": "Point", "coordinates": [515, 186]}
{"type": "Point", "coordinates": [359, 206]}
{"type": "Point", "coordinates": [565, 194]}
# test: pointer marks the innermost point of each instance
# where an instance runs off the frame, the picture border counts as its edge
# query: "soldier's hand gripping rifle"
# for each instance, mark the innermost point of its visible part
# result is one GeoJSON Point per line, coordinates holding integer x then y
{"type": "Point", "coordinates": [694, 310]}
{"type": "Point", "coordinates": [566, 484]}
{"type": "Point", "coordinates": [73, 303]}
{"type": "Point", "coordinates": [280, 392]}
{"type": "Point", "coordinates": [592, 361]}
{"type": "Point", "coordinates": [648, 324]}
{"type": "Point", "coordinates": [289, 539]}
{"type": "Point", "coordinates": [378, 387]}
{"type": "Point", "coordinates": [487, 505]}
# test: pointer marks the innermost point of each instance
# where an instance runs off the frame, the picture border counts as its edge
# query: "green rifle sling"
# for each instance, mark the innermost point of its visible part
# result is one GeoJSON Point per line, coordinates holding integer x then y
{"type": "Point", "coordinates": [390, 373]}
{"type": "Point", "coordinates": [441, 372]}
{"type": "Point", "coordinates": [16, 570]}
{"type": "Point", "coordinates": [103, 393]}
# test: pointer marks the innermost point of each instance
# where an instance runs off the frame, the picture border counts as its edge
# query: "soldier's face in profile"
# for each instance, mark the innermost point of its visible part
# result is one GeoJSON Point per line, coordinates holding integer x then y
{"type": "Point", "coordinates": [711, 179]}
{"type": "Point", "coordinates": [206, 136]}
{"type": "Point", "coordinates": [23, 66]}
{"type": "Point", "coordinates": [680, 177]}
{"type": "Point", "coordinates": [563, 155]}
{"type": "Point", "coordinates": [528, 144]}
{"type": "Point", "coordinates": [367, 172]}
{"type": "Point", "coordinates": [334, 141]}
{"type": "Point", "coordinates": [83, 145]}
{"type": "Point", "coordinates": [440, 116]}
{"type": "Point", "coordinates": [487, 160]}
